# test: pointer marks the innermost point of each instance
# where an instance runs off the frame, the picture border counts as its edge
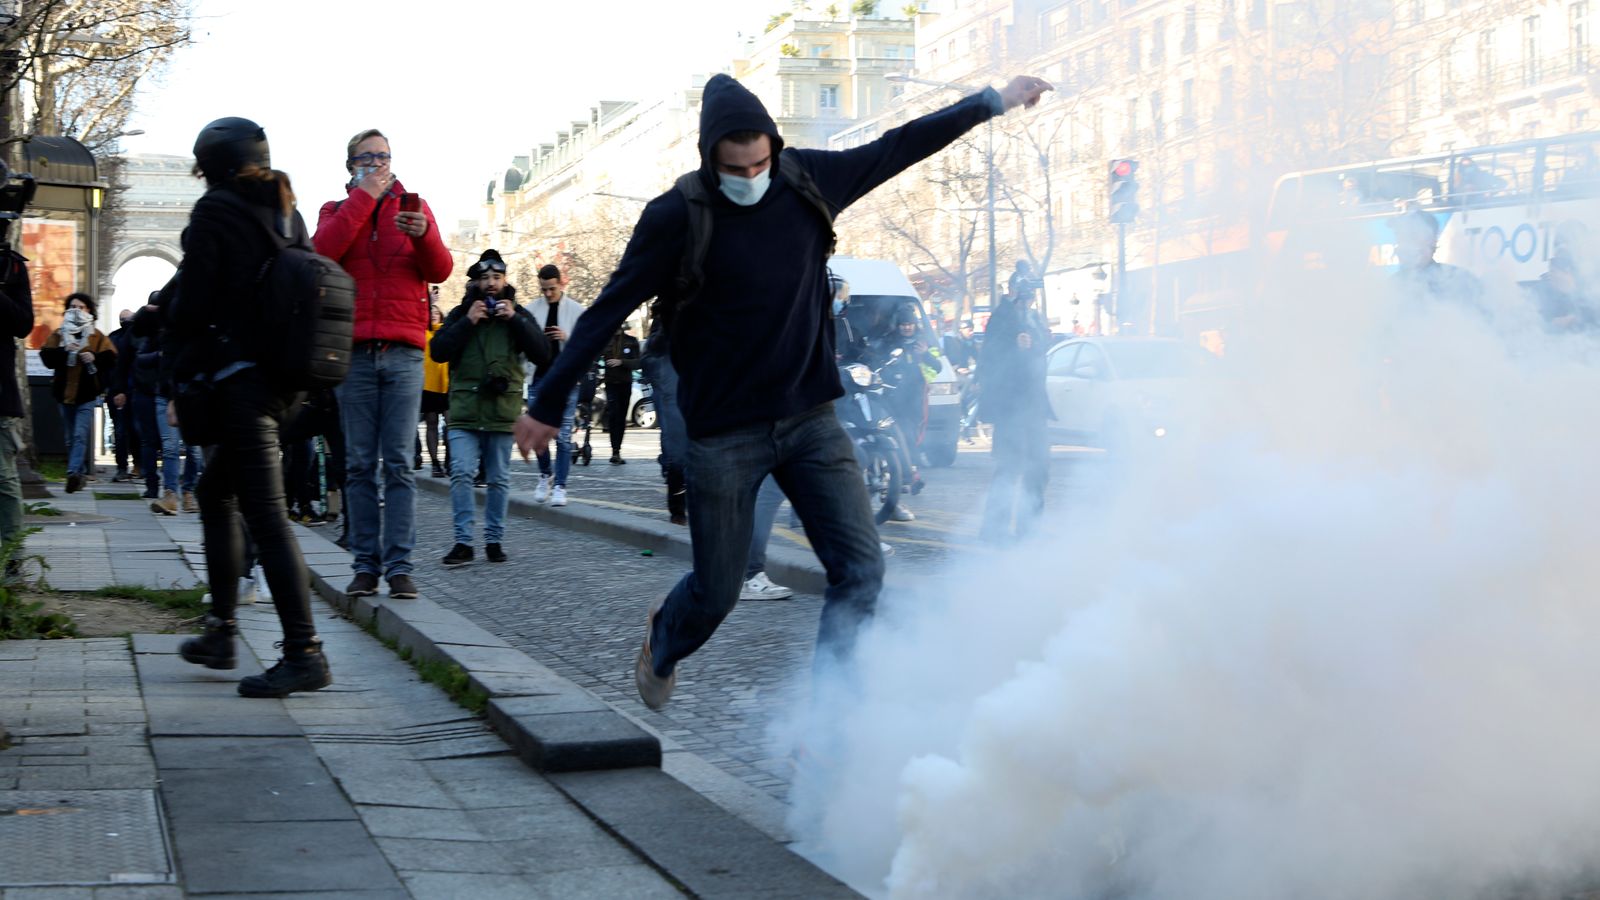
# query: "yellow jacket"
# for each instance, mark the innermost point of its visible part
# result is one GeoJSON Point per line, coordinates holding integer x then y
{"type": "Point", "coordinates": [435, 375]}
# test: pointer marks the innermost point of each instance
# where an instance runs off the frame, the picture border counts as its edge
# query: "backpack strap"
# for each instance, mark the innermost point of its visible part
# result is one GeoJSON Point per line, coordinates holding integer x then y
{"type": "Point", "coordinates": [691, 271]}
{"type": "Point", "coordinates": [800, 179]}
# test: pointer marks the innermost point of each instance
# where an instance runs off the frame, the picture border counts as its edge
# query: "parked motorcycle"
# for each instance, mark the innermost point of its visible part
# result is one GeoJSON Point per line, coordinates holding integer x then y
{"type": "Point", "coordinates": [871, 427]}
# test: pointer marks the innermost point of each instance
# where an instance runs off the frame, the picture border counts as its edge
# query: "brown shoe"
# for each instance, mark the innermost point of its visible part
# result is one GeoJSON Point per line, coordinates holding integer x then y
{"type": "Point", "coordinates": [167, 505]}
{"type": "Point", "coordinates": [401, 587]}
{"type": "Point", "coordinates": [365, 584]}
{"type": "Point", "coordinates": [654, 690]}
{"type": "Point", "coordinates": [190, 504]}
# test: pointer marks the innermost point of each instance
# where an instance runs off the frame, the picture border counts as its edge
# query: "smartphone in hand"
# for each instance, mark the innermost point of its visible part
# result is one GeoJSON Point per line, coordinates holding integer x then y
{"type": "Point", "coordinates": [410, 202]}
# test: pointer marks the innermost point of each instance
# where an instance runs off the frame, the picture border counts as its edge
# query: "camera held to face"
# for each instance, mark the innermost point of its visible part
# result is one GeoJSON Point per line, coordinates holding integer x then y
{"type": "Point", "coordinates": [494, 386]}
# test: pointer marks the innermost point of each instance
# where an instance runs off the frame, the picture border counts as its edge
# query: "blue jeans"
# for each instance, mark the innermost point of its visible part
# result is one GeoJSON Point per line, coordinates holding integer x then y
{"type": "Point", "coordinates": [171, 446]}
{"type": "Point", "coordinates": [466, 448]}
{"type": "Point", "coordinates": [563, 440]}
{"type": "Point", "coordinates": [77, 419]}
{"type": "Point", "coordinates": [768, 499]}
{"type": "Point", "coordinates": [815, 465]}
{"type": "Point", "coordinates": [379, 403]}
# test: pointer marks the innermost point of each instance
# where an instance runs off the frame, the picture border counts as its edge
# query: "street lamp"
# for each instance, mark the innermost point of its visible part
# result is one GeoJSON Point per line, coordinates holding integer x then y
{"type": "Point", "coordinates": [994, 271]}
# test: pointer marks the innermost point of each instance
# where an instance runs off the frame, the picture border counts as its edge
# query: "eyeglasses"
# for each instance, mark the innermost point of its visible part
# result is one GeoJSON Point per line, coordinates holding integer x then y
{"type": "Point", "coordinates": [367, 159]}
{"type": "Point", "coordinates": [491, 265]}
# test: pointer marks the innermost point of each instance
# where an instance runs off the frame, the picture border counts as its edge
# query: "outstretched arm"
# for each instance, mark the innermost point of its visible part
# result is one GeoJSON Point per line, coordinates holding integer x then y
{"type": "Point", "coordinates": [845, 176]}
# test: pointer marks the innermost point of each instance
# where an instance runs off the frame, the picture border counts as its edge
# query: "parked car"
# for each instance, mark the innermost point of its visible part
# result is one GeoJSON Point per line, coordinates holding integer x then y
{"type": "Point", "coordinates": [1114, 392]}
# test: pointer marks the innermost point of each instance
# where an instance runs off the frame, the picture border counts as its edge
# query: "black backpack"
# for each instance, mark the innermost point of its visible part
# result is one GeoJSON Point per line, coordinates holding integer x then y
{"type": "Point", "coordinates": [304, 314]}
{"type": "Point", "coordinates": [691, 272]}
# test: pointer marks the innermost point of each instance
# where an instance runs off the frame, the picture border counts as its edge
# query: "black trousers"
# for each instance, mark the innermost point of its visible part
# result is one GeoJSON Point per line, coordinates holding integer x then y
{"type": "Point", "coordinates": [619, 400]}
{"type": "Point", "coordinates": [1021, 454]}
{"type": "Point", "coordinates": [242, 490]}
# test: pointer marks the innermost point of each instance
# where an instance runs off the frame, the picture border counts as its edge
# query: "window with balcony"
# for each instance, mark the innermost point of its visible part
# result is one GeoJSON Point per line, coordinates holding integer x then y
{"type": "Point", "coordinates": [1191, 29]}
{"type": "Point", "coordinates": [1419, 11]}
{"type": "Point", "coordinates": [1158, 42]}
{"type": "Point", "coordinates": [1226, 24]}
{"type": "Point", "coordinates": [1157, 121]}
{"type": "Point", "coordinates": [1225, 94]}
{"type": "Point", "coordinates": [821, 51]}
{"type": "Point", "coordinates": [891, 51]}
{"type": "Point", "coordinates": [1486, 58]}
{"type": "Point", "coordinates": [828, 98]}
{"type": "Point", "coordinates": [1075, 16]}
{"type": "Point", "coordinates": [1131, 128]}
{"type": "Point", "coordinates": [1413, 88]}
{"type": "Point", "coordinates": [1530, 51]}
{"type": "Point", "coordinates": [1186, 120]}
{"type": "Point", "coordinates": [1134, 47]}
{"type": "Point", "coordinates": [1258, 14]}
{"type": "Point", "coordinates": [1578, 35]}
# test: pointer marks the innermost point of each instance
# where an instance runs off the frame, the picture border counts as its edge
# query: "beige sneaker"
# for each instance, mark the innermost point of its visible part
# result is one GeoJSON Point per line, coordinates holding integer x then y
{"type": "Point", "coordinates": [190, 504]}
{"type": "Point", "coordinates": [167, 505]}
{"type": "Point", "coordinates": [654, 690]}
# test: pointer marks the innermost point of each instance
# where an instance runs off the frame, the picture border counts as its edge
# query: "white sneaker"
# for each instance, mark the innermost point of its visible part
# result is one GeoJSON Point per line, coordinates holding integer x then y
{"type": "Point", "coordinates": [542, 492]}
{"type": "Point", "coordinates": [260, 579]}
{"type": "Point", "coordinates": [247, 591]}
{"type": "Point", "coordinates": [558, 496]}
{"type": "Point", "coordinates": [885, 549]}
{"type": "Point", "coordinates": [760, 587]}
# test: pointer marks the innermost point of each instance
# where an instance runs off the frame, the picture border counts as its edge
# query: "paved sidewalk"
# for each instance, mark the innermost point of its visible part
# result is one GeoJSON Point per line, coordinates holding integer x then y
{"type": "Point", "coordinates": [134, 775]}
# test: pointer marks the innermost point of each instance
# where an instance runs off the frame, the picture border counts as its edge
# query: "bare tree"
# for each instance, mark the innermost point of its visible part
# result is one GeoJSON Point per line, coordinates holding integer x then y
{"type": "Point", "coordinates": [81, 60]}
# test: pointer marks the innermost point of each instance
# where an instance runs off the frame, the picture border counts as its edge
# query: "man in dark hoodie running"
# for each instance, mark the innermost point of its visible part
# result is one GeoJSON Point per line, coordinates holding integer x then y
{"type": "Point", "coordinates": [754, 355]}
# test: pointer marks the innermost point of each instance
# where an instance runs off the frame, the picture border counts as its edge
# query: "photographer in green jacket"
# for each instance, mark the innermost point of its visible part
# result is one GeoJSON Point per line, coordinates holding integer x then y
{"type": "Point", "coordinates": [484, 340]}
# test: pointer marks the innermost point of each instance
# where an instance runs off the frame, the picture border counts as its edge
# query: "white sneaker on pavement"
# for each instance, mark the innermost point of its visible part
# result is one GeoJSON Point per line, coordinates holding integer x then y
{"type": "Point", "coordinates": [247, 591]}
{"type": "Point", "coordinates": [885, 549]}
{"type": "Point", "coordinates": [542, 492]}
{"type": "Point", "coordinates": [259, 578]}
{"type": "Point", "coordinates": [558, 496]}
{"type": "Point", "coordinates": [760, 587]}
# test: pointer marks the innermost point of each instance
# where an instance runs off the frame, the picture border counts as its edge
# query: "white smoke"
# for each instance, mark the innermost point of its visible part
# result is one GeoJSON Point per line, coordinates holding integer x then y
{"type": "Point", "coordinates": [1342, 644]}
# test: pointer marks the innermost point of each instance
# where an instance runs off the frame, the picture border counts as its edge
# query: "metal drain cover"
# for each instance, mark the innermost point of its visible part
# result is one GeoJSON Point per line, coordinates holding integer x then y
{"type": "Point", "coordinates": [82, 838]}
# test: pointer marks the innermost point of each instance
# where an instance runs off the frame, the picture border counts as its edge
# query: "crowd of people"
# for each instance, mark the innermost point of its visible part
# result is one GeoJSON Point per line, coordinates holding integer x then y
{"type": "Point", "coordinates": [207, 416]}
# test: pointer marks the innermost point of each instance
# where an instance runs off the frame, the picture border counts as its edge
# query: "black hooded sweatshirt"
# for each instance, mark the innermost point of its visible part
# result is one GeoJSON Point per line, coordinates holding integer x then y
{"type": "Point", "coordinates": [756, 345]}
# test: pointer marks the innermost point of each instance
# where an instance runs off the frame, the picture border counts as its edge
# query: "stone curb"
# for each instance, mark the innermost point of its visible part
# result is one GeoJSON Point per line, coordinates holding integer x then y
{"type": "Point", "coordinates": [786, 566]}
{"type": "Point", "coordinates": [551, 723]}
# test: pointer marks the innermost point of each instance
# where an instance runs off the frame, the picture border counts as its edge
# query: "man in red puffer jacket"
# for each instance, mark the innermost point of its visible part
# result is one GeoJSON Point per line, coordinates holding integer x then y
{"type": "Point", "coordinates": [393, 254]}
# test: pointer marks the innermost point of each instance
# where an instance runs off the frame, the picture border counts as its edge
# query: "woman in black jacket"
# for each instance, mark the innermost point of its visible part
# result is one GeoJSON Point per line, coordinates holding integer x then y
{"type": "Point", "coordinates": [230, 405]}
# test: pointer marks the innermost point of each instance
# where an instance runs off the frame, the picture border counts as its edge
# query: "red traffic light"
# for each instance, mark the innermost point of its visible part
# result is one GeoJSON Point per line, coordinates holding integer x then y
{"type": "Point", "coordinates": [1122, 168]}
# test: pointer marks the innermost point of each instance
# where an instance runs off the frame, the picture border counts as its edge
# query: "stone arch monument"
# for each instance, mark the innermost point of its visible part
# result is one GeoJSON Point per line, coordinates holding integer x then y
{"type": "Point", "coordinates": [160, 192]}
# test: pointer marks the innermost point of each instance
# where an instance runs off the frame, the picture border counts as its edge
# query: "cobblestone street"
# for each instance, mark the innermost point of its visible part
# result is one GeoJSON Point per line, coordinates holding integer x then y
{"type": "Point", "coordinates": [577, 602]}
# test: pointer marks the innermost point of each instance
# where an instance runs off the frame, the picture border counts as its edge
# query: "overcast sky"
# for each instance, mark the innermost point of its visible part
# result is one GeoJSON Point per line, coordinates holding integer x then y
{"type": "Point", "coordinates": [459, 87]}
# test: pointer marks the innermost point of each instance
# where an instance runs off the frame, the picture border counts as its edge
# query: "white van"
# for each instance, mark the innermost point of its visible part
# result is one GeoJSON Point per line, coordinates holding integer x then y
{"type": "Point", "coordinates": [877, 288]}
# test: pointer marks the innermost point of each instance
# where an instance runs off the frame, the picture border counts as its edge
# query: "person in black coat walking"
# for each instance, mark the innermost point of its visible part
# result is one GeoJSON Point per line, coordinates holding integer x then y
{"type": "Point", "coordinates": [227, 402]}
{"type": "Point", "coordinates": [1011, 374]}
{"type": "Point", "coordinates": [621, 361]}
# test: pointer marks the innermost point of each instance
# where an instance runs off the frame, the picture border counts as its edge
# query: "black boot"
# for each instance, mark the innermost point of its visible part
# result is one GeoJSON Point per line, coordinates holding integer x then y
{"type": "Point", "coordinates": [214, 649]}
{"type": "Point", "coordinates": [302, 668]}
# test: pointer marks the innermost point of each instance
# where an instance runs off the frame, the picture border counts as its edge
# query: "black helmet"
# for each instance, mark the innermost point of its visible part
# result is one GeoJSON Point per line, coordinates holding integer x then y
{"type": "Point", "coordinates": [228, 145]}
{"type": "Point", "coordinates": [905, 312]}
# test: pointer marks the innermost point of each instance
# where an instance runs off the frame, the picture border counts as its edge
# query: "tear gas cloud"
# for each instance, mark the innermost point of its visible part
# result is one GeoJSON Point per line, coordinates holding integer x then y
{"type": "Point", "coordinates": [1336, 643]}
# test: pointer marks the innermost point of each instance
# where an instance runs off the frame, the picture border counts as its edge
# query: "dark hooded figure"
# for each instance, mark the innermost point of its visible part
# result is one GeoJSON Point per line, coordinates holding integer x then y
{"type": "Point", "coordinates": [754, 352]}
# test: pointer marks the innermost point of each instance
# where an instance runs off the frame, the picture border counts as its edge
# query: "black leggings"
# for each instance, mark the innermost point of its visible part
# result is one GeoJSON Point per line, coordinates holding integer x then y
{"type": "Point", "coordinates": [618, 399]}
{"type": "Point", "coordinates": [242, 489]}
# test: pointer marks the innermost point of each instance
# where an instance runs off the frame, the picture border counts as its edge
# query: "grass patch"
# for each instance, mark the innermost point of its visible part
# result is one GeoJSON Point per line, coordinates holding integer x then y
{"type": "Point", "coordinates": [22, 620]}
{"type": "Point", "coordinates": [187, 602]}
{"type": "Point", "coordinates": [40, 509]}
{"type": "Point", "coordinates": [52, 468]}
{"type": "Point", "coordinates": [106, 495]}
{"type": "Point", "coordinates": [448, 677]}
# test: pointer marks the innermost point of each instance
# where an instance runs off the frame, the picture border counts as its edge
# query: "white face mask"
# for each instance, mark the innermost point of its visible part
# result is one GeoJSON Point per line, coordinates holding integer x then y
{"type": "Point", "coordinates": [76, 319]}
{"type": "Point", "coordinates": [745, 191]}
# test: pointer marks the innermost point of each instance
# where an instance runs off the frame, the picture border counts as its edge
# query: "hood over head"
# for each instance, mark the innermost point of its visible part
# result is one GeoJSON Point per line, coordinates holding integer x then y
{"type": "Point", "coordinates": [726, 106]}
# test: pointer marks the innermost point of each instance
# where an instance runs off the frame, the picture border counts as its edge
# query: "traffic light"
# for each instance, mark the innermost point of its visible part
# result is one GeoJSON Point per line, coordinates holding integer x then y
{"type": "Point", "coordinates": [1124, 191]}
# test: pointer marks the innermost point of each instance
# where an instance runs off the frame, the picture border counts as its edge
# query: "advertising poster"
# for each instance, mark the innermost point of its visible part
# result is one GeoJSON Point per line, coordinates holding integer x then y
{"type": "Point", "coordinates": [51, 246]}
